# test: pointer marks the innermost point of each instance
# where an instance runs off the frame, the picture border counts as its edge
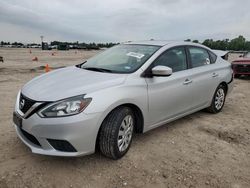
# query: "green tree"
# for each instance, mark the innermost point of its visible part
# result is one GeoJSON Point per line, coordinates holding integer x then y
{"type": "Point", "coordinates": [208, 43]}
{"type": "Point", "coordinates": [247, 46]}
{"type": "Point", "coordinates": [237, 43]}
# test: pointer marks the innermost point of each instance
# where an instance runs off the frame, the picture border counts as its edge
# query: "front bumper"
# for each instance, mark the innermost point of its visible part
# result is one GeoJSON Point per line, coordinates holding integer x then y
{"type": "Point", "coordinates": [79, 130]}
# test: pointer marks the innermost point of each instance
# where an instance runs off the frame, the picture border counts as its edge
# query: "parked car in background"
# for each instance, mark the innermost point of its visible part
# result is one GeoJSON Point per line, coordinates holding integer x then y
{"type": "Point", "coordinates": [130, 88]}
{"type": "Point", "coordinates": [241, 66]}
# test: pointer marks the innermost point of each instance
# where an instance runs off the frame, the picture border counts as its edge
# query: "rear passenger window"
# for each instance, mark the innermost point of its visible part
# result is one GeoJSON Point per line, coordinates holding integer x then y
{"type": "Point", "coordinates": [199, 57]}
{"type": "Point", "coordinates": [213, 57]}
{"type": "Point", "coordinates": [174, 58]}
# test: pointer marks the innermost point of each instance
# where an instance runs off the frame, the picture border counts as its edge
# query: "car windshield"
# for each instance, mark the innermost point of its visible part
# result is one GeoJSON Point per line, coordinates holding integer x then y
{"type": "Point", "coordinates": [125, 58]}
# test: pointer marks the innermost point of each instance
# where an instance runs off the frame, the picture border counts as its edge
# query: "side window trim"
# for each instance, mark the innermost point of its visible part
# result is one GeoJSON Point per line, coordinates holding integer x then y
{"type": "Point", "coordinates": [188, 57]}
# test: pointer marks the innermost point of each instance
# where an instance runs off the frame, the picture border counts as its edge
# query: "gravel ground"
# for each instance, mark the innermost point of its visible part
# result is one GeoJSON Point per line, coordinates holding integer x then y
{"type": "Point", "coordinates": [200, 150]}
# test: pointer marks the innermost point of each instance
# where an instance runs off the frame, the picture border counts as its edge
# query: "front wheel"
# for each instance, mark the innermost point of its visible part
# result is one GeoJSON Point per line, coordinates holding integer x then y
{"type": "Point", "coordinates": [116, 133]}
{"type": "Point", "coordinates": [218, 100]}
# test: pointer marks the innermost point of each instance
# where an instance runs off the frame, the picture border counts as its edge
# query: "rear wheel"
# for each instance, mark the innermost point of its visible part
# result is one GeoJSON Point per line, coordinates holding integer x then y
{"type": "Point", "coordinates": [116, 133]}
{"type": "Point", "coordinates": [218, 100]}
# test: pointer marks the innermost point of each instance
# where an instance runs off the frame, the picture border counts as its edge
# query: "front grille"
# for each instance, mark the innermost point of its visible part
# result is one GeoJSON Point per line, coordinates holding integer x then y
{"type": "Point", "coordinates": [62, 145]}
{"type": "Point", "coordinates": [25, 103]}
{"type": "Point", "coordinates": [242, 68]}
{"type": "Point", "coordinates": [30, 137]}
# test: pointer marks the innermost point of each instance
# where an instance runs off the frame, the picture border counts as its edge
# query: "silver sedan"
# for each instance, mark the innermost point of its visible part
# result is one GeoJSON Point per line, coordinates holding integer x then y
{"type": "Point", "coordinates": [130, 88]}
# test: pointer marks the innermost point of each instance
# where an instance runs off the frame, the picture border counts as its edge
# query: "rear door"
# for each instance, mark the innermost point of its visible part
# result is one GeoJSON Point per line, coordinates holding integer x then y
{"type": "Point", "coordinates": [205, 75]}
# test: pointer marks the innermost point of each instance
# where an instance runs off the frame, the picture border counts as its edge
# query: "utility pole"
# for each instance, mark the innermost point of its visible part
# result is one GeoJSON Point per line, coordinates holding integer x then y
{"type": "Point", "coordinates": [42, 42]}
{"type": "Point", "coordinates": [41, 38]}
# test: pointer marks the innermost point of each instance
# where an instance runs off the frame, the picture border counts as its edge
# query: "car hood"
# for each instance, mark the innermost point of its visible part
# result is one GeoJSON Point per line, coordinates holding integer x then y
{"type": "Point", "coordinates": [68, 82]}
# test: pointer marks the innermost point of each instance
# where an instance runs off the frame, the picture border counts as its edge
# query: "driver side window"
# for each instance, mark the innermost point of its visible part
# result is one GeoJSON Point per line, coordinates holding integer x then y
{"type": "Point", "coordinates": [174, 58]}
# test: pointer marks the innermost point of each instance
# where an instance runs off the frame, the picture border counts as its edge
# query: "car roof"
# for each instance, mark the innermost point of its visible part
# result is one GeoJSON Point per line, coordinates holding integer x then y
{"type": "Point", "coordinates": [149, 42]}
{"type": "Point", "coordinates": [163, 43]}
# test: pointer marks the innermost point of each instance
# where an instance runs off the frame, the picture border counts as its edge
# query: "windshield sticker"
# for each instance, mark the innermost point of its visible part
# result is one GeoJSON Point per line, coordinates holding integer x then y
{"type": "Point", "coordinates": [134, 54]}
{"type": "Point", "coordinates": [127, 67]}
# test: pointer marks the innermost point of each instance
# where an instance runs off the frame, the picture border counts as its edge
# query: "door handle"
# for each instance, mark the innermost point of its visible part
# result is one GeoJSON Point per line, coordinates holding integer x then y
{"type": "Point", "coordinates": [187, 81]}
{"type": "Point", "coordinates": [215, 75]}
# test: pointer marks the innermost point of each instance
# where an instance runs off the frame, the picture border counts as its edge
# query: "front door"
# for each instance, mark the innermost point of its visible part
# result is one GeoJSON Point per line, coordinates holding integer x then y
{"type": "Point", "coordinates": [170, 96]}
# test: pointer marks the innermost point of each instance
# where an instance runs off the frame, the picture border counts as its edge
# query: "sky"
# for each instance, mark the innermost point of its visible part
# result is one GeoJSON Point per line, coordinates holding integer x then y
{"type": "Point", "coordinates": [122, 20]}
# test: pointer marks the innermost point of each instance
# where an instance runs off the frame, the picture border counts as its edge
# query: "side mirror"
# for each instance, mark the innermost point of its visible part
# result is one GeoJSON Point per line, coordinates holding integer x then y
{"type": "Point", "coordinates": [161, 71]}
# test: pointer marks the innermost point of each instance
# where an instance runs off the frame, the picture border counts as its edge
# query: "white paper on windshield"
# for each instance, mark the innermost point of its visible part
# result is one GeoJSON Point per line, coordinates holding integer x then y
{"type": "Point", "coordinates": [127, 67]}
{"type": "Point", "coordinates": [134, 54]}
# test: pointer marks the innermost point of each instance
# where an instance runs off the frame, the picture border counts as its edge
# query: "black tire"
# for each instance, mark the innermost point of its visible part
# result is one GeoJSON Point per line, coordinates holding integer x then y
{"type": "Point", "coordinates": [236, 75]}
{"type": "Point", "coordinates": [212, 108]}
{"type": "Point", "coordinates": [108, 137]}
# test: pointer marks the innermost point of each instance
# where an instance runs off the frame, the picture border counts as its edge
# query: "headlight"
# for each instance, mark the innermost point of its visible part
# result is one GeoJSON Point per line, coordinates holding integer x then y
{"type": "Point", "coordinates": [66, 107]}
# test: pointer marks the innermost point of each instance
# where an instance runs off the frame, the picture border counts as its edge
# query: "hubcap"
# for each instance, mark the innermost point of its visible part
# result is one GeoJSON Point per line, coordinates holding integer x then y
{"type": "Point", "coordinates": [219, 99]}
{"type": "Point", "coordinates": [125, 133]}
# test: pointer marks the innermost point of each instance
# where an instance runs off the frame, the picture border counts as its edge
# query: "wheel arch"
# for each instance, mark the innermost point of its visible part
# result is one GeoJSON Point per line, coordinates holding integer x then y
{"type": "Point", "coordinates": [225, 85]}
{"type": "Point", "coordinates": [139, 118]}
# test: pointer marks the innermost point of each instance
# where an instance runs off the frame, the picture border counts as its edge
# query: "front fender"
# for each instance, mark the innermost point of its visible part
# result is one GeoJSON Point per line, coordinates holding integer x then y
{"type": "Point", "coordinates": [104, 101]}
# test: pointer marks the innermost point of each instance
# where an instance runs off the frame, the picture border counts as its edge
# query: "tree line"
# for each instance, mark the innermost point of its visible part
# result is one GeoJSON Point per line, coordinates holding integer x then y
{"type": "Point", "coordinates": [237, 44]}
{"type": "Point", "coordinates": [74, 45]}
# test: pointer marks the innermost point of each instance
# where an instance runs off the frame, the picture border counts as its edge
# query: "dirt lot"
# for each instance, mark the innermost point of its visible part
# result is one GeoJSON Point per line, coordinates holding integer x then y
{"type": "Point", "coordinates": [200, 150]}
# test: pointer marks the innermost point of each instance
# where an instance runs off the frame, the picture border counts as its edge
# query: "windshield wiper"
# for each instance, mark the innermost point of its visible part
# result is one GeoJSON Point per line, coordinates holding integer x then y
{"type": "Point", "coordinates": [97, 69]}
{"type": "Point", "coordinates": [80, 65]}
